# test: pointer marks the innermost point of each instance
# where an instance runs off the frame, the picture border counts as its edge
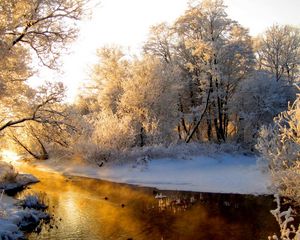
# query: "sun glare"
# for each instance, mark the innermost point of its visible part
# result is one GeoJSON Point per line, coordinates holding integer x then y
{"type": "Point", "coordinates": [9, 156]}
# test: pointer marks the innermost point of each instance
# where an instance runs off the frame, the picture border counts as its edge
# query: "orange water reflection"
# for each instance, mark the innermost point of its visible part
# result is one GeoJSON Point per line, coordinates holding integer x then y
{"type": "Point", "coordinates": [92, 209]}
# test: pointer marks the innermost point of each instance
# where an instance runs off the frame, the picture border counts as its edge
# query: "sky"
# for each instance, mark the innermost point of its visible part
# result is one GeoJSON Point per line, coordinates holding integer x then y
{"type": "Point", "coordinates": [127, 23]}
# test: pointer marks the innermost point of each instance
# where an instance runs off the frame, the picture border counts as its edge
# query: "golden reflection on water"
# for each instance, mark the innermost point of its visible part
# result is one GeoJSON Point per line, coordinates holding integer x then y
{"type": "Point", "coordinates": [91, 209]}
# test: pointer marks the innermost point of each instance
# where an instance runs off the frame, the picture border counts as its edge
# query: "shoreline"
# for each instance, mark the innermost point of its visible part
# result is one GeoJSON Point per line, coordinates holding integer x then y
{"type": "Point", "coordinates": [210, 175]}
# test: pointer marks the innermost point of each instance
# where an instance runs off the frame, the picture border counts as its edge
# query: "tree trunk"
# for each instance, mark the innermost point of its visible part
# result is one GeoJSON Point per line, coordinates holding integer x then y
{"type": "Point", "coordinates": [179, 131]}
{"type": "Point", "coordinates": [209, 125]}
{"type": "Point", "coordinates": [188, 139]}
{"type": "Point", "coordinates": [43, 156]}
{"type": "Point", "coordinates": [142, 140]}
{"type": "Point", "coordinates": [182, 121]}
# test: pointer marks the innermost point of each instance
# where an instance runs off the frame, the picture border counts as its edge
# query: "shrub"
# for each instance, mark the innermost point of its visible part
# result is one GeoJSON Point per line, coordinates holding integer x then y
{"type": "Point", "coordinates": [7, 172]}
{"type": "Point", "coordinates": [284, 219]}
{"type": "Point", "coordinates": [279, 145]}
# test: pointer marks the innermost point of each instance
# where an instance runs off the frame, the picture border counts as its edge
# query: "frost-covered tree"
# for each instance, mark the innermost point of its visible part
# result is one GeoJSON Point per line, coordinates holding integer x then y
{"type": "Point", "coordinates": [260, 98]}
{"type": "Point", "coordinates": [134, 103]}
{"type": "Point", "coordinates": [279, 51]}
{"type": "Point", "coordinates": [40, 29]}
{"type": "Point", "coordinates": [107, 77]}
{"type": "Point", "coordinates": [48, 122]}
{"type": "Point", "coordinates": [45, 27]}
{"type": "Point", "coordinates": [139, 95]}
{"type": "Point", "coordinates": [151, 98]}
{"type": "Point", "coordinates": [161, 44]}
{"type": "Point", "coordinates": [279, 145]}
{"type": "Point", "coordinates": [216, 54]}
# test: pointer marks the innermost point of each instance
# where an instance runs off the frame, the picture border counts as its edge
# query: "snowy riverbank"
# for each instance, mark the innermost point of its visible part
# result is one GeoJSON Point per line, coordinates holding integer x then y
{"type": "Point", "coordinates": [17, 216]}
{"type": "Point", "coordinates": [11, 180]}
{"type": "Point", "coordinates": [222, 173]}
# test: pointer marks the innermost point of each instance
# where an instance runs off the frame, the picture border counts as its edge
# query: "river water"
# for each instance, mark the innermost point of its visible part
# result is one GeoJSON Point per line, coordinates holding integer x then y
{"type": "Point", "coordinates": [83, 208]}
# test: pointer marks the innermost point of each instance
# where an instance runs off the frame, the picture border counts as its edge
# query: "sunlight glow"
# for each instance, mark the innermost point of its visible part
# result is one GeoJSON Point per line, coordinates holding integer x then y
{"type": "Point", "coordinates": [127, 23]}
{"type": "Point", "coordinates": [9, 156]}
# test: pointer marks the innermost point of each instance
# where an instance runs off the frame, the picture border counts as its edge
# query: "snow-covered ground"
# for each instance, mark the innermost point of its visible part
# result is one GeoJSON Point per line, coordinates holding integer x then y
{"type": "Point", "coordinates": [14, 218]}
{"type": "Point", "coordinates": [8, 227]}
{"type": "Point", "coordinates": [10, 179]}
{"type": "Point", "coordinates": [223, 173]}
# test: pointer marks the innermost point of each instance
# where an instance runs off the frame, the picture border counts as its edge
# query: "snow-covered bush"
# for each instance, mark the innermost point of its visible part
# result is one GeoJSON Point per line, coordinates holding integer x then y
{"type": "Point", "coordinates": [17, 219]}
{"type": "Point", "coordinates": [279, 145]}
{"type": "Point", "coordinates": [284, 219]}
{"type": "Point", "coordinates": [102, 135]}
{"type": "Point", "coordinates": [7, 172]}
{"type": "Point", "coordinates": [174, 151]}
{"type": "Point", "coordinates": [112, 132]}
{"type": "Point", "coordinates": [35, 201]}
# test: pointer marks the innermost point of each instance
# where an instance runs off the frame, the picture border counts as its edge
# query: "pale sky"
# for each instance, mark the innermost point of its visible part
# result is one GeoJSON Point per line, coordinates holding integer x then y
{"type": "Point", "coordinates": [127, 22]}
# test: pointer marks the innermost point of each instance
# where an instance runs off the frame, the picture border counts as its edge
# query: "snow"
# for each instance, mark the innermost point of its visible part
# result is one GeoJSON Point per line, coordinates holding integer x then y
{"type": "Point", "coordinates": [21, 181]}
{"type": "Point", "coordinates": [10, 179]}
{"type": "Point", "coordinates": [13, 218]}
{"type": "Point", "coordinates": [9, 218]}
{"type": "Point", "coordinates": [222, 173]}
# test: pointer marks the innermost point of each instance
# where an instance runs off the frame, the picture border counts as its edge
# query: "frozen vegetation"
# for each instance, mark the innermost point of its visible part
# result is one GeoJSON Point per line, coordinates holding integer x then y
{"type": "Point", "coordinates": [11, 180]}
{"type": "Point", "coordinates": [279, 144]}
{"type": "Point", "coordinates": [14, 219]}
{"type": "Point", "coordinates": [17, 216]}
{"type": "Point", "coordinates": [285, 221]}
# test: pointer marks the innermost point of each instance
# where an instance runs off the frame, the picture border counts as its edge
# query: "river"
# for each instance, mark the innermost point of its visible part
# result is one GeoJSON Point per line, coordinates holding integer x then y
{"type": "Point", "coordinates": [83, 208]}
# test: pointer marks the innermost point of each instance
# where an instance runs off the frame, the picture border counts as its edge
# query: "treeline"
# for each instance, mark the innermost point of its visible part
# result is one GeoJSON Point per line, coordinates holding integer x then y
{"type": "Point", "coordinates": [200, 79]}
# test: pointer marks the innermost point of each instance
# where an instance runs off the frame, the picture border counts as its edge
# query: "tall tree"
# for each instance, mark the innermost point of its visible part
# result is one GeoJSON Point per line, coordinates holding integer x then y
{"type": "Point", "coordinates": [43, 27]}
{"type": "Point", "coordinates": [279, 51]}
{"type": "Point", "coordinates": [107, 77]}
{"type": "Point", "coordinates": [151, 98]}
{"type": "Point", "coordinates": [217, 54]}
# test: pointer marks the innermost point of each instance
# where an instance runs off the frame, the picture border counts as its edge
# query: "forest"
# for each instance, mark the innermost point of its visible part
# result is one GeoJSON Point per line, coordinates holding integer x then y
{"type": "Point", "coordinates": [199, 82]}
